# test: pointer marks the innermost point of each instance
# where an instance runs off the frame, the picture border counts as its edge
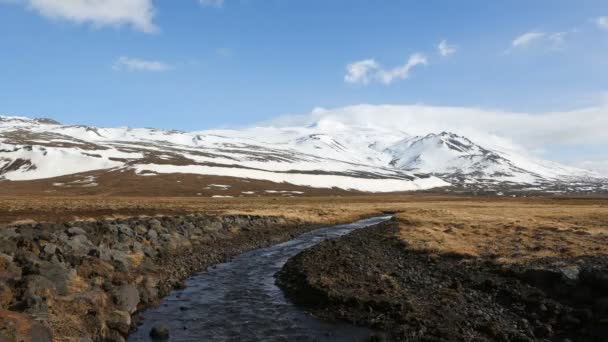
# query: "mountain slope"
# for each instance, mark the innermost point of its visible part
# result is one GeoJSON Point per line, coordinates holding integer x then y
{"type": "Point", "coordinates": [326, 154]}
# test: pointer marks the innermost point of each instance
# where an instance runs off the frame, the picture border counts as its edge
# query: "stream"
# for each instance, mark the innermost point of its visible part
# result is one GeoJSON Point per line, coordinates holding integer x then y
{"type": "Point", "coordinates": [239, 301]}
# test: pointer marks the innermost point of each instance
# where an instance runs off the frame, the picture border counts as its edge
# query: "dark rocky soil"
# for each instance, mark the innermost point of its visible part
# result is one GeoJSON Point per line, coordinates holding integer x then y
{"type": "Point", "coordinates": [87, 281]}
{"type": "Point", "coordinates": [371, 278]}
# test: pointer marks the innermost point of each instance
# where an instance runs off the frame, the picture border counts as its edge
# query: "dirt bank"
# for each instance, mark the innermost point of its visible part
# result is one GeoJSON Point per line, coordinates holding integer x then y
{"type": "Point", "coordinates": [86, 281]}
{"type": "Point", "coordinates": [373, 278]}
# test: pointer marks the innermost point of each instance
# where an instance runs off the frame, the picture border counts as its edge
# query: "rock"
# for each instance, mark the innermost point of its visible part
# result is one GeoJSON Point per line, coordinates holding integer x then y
{"type": "Point", "coordinates": [8, 269]}
{"type": "Point", "coordinates": [58, 274]}
{"type": "Point", "coordinates": [571, 272]}
{"type": "Point", "coordinates": [40, 333]}
{"type": "Point", "coordinates": [127, 298]}
{"type": "Point", "coordinates": [114, 336]}
{"type": "Point", "coordinates": [137, 247]}
{"type": "Point", "coordinates": [120, 321]}
{"type": "Point", "coordinates": [152, 235]}
{"type": "Point", "coordinates": [150, 291]}
{"type": "Point", "coordinates": [102, 252]}
{"type": "Point", "coordinates": [78, 245]}
{"type": "Point", "coordinates": [6, 295]}
{"type": "Point", "coordinates": [94, 299]}
{"type": "Point", "coordinates": [8, 247]}
{"type": "Point", "coordinates": [30, 263]}
{"type": "Point", "coordinates": [196, 231]}
{"type": "Point", "coordinates": [37, 285]}
{"type": "Point", "coordinates": [37, 307]}
{"type": "Point", "coordinates": [50, 249]}
{"type": "Point", "coordinates": [9, 233]}
{"type": "Point", "coordinates": [160, 331]}
{"type": "Point", "coordinates": [120, 260]}
{"type": "Point", "coordinates": [140, 229]}
{"type": "Point", "coordinates": [125, 230]}
{"type": "Point", "coordinates": [543, 331]}
{"type": "Point", "coordinates": [157, 226]}
{"type": "Point", "coordinates": [213, 227]}
{"type": "Point", "coordinates": [76, 231]}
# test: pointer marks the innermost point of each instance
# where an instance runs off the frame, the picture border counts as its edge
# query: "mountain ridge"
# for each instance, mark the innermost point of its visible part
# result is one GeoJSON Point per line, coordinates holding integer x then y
{"type": "Point", "coordinates": [325, 154]}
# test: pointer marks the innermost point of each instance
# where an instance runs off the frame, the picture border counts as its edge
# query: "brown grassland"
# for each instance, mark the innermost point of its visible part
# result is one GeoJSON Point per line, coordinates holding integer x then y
{"type": "Point", "coordinates": [507, 229]}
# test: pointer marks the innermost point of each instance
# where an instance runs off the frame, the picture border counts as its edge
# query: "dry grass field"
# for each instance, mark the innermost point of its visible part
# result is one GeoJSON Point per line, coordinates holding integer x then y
{"type": "Point", "coordinates": [503, 228]}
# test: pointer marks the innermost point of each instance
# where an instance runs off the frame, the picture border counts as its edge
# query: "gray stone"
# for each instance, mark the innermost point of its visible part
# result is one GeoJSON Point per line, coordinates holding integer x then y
{"type": "Point", "coordinates": [213, 227]}
{"type": "Point", "coordinates": [58, 274]}
{"type": "Point", "coordinates": [196, 231]}
{"type": "Point", "coordinates": [30, 263]}
{"type": "Point", "coordinates": [152, 235]}
{"type": "Point", "coordinates": [120, 321]}
{"type": "Point", "coordinates": [160, 331]}
{"type": "Point", "coordinates": [6, 295]}
{"type": "Point", "coordinates": [120, 260]}
{"type": "Point", "coordinates": [76, 231]}
{"type": "Point", "coordinates": [571, 272]}
{"type": "Point", "coordinates": [127, 298]}
{"type": "Point", "coordinates": [9, 233]}
{"type": "Point", "coordinates": [157, 226]}
{"type": "Point", "coordinates": [37, 307]}
{"type": "Point", "coordinates": [8, 268]}
{"type": "Point", "coordinates": [50, 249]}
{"type": "Point", "coordinates": [140, 229]}
{"type": "Point", "coordinates": [37, 285]}
{"type": "Point", "coordinates": [125, 230]}
{"type": "Point", "coordinates": [40, 333]}
{"type": "Point", "coordinates": [114, 336]}
{"type": "Point", "coordinates": [79, 245]}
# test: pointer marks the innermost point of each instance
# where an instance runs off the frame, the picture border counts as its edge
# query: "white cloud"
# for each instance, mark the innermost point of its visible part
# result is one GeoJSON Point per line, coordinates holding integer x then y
{"type": "Point", "coordinates": [368, 70]}
{"type": "Point", "coordinates": [534, 131]}
{"type": "Point", "coordinates": [361, 71]}
{"type": "Point", "coordinates": [527, 39]}
{"type": "Point", "coordinates": [212, 3]}
{"type": "Point", "coordinates": [602, 22]}
{"type": "Point", "coordinates": [137, 13]}
{"type": "Point", "coordinates": [136, 64]}
{"type": "Point", "coordinates": [598, 165]}
{"type": "Point", "coordinates": [446, 49]}
{"type": "Point", "coordinates": [557, 39]}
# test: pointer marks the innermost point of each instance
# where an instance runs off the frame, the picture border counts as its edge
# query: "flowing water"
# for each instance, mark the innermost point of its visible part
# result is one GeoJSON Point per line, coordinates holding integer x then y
{"type": "Point", "coordinates": [239, 301]}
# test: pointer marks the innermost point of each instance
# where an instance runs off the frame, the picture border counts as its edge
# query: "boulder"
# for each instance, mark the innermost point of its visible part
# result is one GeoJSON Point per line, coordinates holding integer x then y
{"type": "Point", "coordinates": [75, 231]}
{"type": "Point", "coordinates": [160, 331]}
{"type": "Point", "coordinates": [6, 295]}
{"type": "Point", "coordinates": [9, 233]}
{"type": "Point", "coordinates": [213, 227]}
{"type": "Point", "coordinates": [114, 336]}
{"type": "Point", "coordinates": [152, 235]}
{"type": "Point", "coordinates": [127, 298]}
{"type": "Point", "coordinates": [78, 245]}
{"type": "Point", "coordinates": [58, 274]}
{"type": "Point", "coordinates": [140, 230]}
{"type": "Point", "coordinates": [8, 269]}
{"type": "Point", "coordinates": [50, 249]}
{"type": "Point", "coordinates": [37, 307]}
{"type": "Point", "coordinates": [120, 321]}
{"type": "Point", "coordinates": [37, 285]}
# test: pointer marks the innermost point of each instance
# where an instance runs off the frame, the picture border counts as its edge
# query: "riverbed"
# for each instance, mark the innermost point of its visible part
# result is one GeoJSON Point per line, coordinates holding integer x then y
{"type": "Point", "coordinates": [239, 301]}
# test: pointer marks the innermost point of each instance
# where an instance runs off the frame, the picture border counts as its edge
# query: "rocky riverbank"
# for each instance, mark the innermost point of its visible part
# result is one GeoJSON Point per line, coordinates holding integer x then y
{"type": "Point", "coordinates": [87, 281]}
{"type": "Point", "coordinates": [371, 278]}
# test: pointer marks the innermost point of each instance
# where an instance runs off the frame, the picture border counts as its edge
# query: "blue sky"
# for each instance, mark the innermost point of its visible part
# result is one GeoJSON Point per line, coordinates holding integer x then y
{"type": "Point", "coordinates": [196, 64]}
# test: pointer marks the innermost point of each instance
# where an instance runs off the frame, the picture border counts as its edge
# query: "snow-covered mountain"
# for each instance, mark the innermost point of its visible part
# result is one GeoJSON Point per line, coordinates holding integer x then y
{"type": "Point", "coordinates": [325, 154]}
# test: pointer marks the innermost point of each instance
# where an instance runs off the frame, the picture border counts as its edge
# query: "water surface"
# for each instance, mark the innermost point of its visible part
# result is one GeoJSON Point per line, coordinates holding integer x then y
{"type": "Point", "coordinates": [239, 301]}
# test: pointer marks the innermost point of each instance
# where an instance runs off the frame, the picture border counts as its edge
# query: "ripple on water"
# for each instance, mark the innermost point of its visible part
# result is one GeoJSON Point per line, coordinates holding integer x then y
{"type": "Point", "coordinates": [239, 301]}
